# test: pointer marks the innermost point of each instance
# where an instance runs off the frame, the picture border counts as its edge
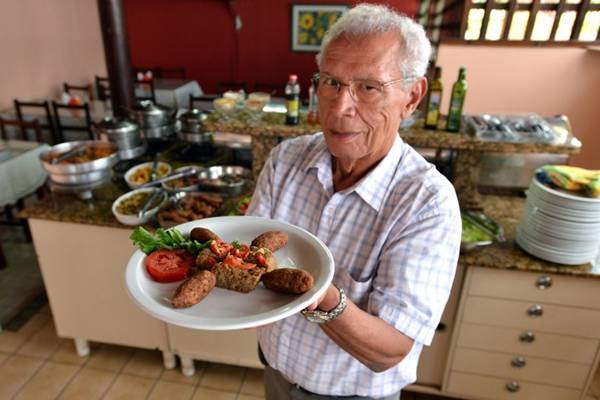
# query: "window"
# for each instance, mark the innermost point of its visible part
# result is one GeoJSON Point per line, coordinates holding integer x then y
{"type": "Point", "coordinates": [531, 21]}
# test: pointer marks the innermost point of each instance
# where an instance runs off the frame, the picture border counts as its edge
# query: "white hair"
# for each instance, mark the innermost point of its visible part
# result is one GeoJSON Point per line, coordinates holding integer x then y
{"type": "Point", "coordinates": [371, 19]}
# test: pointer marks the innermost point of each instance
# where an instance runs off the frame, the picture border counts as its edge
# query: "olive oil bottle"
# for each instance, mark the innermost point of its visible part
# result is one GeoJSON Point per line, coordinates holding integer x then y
{"type": "Point", "coordinates": [457, 101]}
{"type": "Point", "coordinates": [432, 113]}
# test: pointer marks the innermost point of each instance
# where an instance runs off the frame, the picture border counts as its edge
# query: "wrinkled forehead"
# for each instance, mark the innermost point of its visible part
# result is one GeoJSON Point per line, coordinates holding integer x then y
{"type": "Point", "coordinates": [364, 56]}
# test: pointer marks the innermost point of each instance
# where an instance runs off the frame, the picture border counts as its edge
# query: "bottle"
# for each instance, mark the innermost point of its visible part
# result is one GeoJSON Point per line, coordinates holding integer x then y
{"type": "Point", "coordinates": [457, 100]}
{"type": "Point", "coordinates": [292, 101]}
{"type": "Point", "coordinates": [432, 113]}
{"type": "Point", "coordinates": [313, 114]}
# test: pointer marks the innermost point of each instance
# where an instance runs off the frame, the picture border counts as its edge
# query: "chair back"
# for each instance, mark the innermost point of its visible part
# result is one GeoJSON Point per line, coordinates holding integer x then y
{"type": "Point", "coordinates": [202, 103]}
{"type": "Point", "coordinates": [144, 90]}
{"type": "Point", "coordinates": [24, 126]}
{"type": "Point", "coordinates": [75, 113]}
{"type": "Point", "coordinates": [222, 87]}
{"type": "Point", "coordinates": [102, 88]}
{"type": "Point", "coordinates": [171, 73]}
{"type": "Point", "coordinates": [86, 90]}
{"type": "Point", "coordinates": [49, 125]}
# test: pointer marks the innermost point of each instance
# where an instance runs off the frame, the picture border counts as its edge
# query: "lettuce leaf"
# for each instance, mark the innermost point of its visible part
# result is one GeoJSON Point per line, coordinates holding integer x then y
{"type": "Point", "coordinates": [169, 239]}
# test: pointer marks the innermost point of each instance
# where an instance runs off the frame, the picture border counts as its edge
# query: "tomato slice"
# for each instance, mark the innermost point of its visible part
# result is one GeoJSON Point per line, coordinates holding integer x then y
{"type": "Point", "coordinates": [220, 249]}
{"type": "Point", "coordinates": [242, 251]}
{"type": "Point", "coordinates": [169, 265]}
{"type": "Point", "coordinates": [261, 259]}
{"type": "Point", "coordinates": [237, 262]}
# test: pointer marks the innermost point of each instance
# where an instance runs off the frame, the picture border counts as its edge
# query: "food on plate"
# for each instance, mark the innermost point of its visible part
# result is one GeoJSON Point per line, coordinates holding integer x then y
{"type": "Point", "coordinates": [185, 182]}
{"type": "Point", "coordinates": [142, 174]}
{"type": "Point", "coordinates": [241, 206]}
{"type": "Point", "coordinates": [194, 289]}
{"type": "Point", "coordinates": [164, 239]}
{"type": "Point", "coordinates": [133, 204]}
{"type": "Point", "coordinates": [189, 208]}
{"type": "Point", "coordinates": [288, 280]}
{"type": "Point", "coordinates": [169, 265]}
{"type": "Point", "coordinates": [90, 153]}
{"type": "Point", "coordinates": [272, 240]}
{"type": "Point", "coordinates": [202, 235]}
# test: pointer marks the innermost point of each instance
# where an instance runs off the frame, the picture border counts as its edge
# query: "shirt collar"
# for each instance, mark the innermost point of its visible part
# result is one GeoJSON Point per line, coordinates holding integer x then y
{"type": "Point", "coordinates": [370, 188]}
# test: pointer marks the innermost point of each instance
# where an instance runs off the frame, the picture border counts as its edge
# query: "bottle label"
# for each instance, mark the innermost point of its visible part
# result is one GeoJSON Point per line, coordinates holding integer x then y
{"type": "Point", "coordinates": [433, 111]}
{"type": "Point", "coordinates": [292, 107]}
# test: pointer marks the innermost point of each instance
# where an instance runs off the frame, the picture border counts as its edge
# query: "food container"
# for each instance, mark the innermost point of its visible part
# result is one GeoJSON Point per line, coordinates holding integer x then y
{"type": "Point", "coordinates": [160, 132]}
{"type": "Point", "coordinates": [192, 127]}
{"type": "Point", "coordinates": [134, 218]}
{"type": "Point", "coordinates": [188, 206]}
{"type": "Point", "coordinates": [93, 165]}
{"type": "Point", "coordinates": [478, 230]}
{"type": "Point", "coordinates": [185, 184]}
{"type": "Point", "coordinates": [140, 174]}
{"type": "Point", "coordinates": [224, 179]}
{"type": "Point", "coordinates": [224, 104]}
{"type": "Point", "coordinates": [149, 115]}
{"type": "Point", "coordinates": [125, 134]}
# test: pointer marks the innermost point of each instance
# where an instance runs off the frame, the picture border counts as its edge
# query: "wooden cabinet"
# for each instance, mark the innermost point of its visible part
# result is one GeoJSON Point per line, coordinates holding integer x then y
{"type": "Point", "coordinates": [523, 335]}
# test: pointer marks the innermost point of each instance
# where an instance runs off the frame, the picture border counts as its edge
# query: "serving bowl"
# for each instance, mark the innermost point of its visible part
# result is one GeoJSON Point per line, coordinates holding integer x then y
{"type": "Point", "coordinates": [224, 179]}
{"type": "Point", "coordinates": [135, 219]}
{"type": "Point", "coordinates": [138, 175]}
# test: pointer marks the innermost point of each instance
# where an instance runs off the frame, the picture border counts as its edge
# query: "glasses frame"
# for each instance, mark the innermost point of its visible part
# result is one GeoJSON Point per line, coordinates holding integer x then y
{"type": "Point", "coordinates": [316, 78]}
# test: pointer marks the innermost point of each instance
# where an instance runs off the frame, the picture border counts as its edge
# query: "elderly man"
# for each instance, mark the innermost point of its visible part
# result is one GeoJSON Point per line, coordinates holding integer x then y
{"type": "Point", "coordinates": [391, 221]}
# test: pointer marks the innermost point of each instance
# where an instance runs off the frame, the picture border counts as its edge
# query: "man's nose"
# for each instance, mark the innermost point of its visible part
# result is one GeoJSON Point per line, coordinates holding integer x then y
{"type": "Point", "coordinates": [344, 103]}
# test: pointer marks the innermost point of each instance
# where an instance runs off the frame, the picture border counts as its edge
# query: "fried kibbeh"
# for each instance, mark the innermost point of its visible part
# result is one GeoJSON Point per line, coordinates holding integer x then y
{"type": "Point", "coordinates": [272, 240]}
{"type": "Point", "coordinates": [194, 289]}
{"type": "Point", "coordinates": [203, 235]}
{"type": "Point", "coordinates": [288, 280]}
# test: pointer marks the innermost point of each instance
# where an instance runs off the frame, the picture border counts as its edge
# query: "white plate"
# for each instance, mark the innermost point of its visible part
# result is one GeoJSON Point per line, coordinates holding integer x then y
{"type": "Point", "coordinates": [225, 309]}
{"type": "Point", "coordinates": [564, 198]}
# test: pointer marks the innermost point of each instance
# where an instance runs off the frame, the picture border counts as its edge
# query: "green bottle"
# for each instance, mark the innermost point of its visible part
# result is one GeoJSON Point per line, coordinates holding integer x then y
{"type": "Point", "coordinates": [457, 100]}
{"type": "Point", "coordinates": [432, 114]}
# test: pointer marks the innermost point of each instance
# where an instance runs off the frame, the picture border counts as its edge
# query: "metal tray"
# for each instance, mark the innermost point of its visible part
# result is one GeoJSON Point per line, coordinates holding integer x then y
{"type": "Point", "coordinates": [212, 179]}
{"type": "Point", "coordinates": [96, 165]}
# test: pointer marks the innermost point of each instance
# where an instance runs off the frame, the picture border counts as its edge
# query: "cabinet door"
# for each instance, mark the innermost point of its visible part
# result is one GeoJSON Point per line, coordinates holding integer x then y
{"type": "Point", "coordinates": [83, 267]}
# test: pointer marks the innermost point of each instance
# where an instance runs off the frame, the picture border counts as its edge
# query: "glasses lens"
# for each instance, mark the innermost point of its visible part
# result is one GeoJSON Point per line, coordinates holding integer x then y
{"type": "Point", "coordinates": [328, 87]}
{"type": "Point", "coordinates": [367, 91]}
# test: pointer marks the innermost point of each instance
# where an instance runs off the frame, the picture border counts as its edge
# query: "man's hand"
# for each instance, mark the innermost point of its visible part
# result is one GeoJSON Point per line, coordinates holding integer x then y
{"type": "Point", "coordinates": [328, 300]}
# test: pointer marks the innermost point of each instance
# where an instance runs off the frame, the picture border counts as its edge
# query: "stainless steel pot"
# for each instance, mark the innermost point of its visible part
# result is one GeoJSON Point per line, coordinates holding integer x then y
{"type": "Point", "coordinates": [125, 134]}
{"type": "Point", "coordinates": [192, 121]}
{"type": "Point", "coordinates": [149, 115]}
{"type": "Point", "coordinates": [160, 132]}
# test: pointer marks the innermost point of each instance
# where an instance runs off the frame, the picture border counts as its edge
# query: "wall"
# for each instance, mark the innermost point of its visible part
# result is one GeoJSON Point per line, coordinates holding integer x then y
{"type": "Point", "coordinates": [200, 36]}
{"type": "Point", "coordinates": [44, 43]}
{"type": "Point", "coordinates": [547, 81]}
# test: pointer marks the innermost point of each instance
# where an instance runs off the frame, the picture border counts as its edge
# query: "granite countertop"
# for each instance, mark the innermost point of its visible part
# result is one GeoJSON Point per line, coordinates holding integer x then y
{"type": "Point", "coordinates": [507, 211]}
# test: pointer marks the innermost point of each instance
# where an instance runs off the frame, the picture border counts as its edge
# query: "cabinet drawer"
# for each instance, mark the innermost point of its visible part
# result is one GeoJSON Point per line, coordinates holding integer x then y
{"type": "Point", "coordinates": [537, 287]}
{"type": "Point", "coordinates": [485, 387]}
{"type": "Point", "coordinates": [546, 345]}
{"type": "Point", "coordinates": [516, 367]}
{"type": "Point", "coordinates": [514, 314]}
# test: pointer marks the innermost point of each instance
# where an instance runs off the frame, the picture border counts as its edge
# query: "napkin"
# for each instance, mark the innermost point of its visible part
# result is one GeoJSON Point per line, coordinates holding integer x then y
{"type": "Point", "coordinates": [574, 179]}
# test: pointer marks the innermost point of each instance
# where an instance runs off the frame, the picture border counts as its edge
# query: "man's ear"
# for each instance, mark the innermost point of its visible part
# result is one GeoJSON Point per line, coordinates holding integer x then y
{"type": "Point", "coordinates": [417, 92]}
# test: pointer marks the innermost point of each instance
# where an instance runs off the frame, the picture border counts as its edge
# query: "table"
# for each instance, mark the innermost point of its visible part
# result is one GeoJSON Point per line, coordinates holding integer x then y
{"type": "Point", "coordinates": [173, 93]}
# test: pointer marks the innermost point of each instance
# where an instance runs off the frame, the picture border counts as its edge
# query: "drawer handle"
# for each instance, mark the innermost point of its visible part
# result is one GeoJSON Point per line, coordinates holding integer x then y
{"type": "Point", "coordinates": [513, 386]}
{"type": "Point", "coordinates": [527, 337]}
{"type": "Point", "coordinates": [535, 311]}
{"type": "Point", "coordinates": [543, 282]}
{"type": "Point", "coordinates": [518, 362]}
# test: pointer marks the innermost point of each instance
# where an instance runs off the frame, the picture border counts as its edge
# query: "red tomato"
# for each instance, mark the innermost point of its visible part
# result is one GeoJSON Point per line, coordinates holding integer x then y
{"type": "Point", "coordinates": [236, 262]}
{"type": "Point", "coordinates": [243, 251]}
{"type": "Point", "coordinates": [220, 249]}
{"type": "Point", "coordinates": [169, 265]}
{"type": "Point", "coordinates": [261, 259]}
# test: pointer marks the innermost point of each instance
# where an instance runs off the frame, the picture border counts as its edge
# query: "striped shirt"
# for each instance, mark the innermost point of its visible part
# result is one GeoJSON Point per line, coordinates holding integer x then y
{"type": "Point", "coordinates": [395, 238]}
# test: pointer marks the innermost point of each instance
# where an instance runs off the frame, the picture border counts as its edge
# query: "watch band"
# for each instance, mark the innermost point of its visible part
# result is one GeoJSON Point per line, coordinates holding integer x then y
{"type": "Point", "coordinates": [321, 317]}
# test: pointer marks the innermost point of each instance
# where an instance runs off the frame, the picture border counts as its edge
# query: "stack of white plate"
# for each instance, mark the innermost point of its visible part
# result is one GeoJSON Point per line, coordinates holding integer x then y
{"type": "Point", "coordinates": [559, 226]}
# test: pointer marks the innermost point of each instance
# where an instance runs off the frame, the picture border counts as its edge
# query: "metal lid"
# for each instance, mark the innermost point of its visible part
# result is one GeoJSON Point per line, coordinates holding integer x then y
{"type": "Point", "coordinates": [112, 125]}
{"type": "Point", "coordinates": [193, 116]}
{"type": "Point", "coordinates": [148, 107]}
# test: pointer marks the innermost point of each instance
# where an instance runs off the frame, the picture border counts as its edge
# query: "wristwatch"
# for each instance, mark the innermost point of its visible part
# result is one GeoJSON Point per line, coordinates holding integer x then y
{"type": "Point", "coordinates": [321, 317]}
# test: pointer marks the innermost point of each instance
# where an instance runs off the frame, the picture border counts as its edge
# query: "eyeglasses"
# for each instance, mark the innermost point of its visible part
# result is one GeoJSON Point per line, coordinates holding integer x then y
{"type": "Point", "coordinates": [367, 91]}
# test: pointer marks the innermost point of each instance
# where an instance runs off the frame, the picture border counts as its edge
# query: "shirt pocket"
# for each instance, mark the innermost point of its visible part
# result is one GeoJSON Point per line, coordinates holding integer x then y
{"type": "Point", "coordinates": [357, 291]}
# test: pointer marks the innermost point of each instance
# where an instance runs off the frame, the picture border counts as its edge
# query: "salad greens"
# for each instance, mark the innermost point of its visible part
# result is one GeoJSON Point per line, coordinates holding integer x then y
{"type": "Point", "coordinates": [169, 239]}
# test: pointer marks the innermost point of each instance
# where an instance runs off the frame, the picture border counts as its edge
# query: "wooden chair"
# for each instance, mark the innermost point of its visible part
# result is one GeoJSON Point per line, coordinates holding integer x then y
{"type": "Point", "coordinates": [205, 103]}
{"type": "Point", "coordinates": [23, 127]}
{"type": "Point", "coordinates": [143, 70]}
{"type": "Point", "coordinates": [222, 87]}
{"type": "Point", "coordinates": [274, 89]}
{"type": "Point", "coordinates": [86, 90]}
{"type": "Point", "coordinates": [147, 87]}
{"type": "Point", "coordinates": [171, 73]}
{"type": "Point", "coordinates": [75, 110]}
{"type": "Point", "coordinates": [102, 88]}
{"type": "Point", "coordinates": [50, 124]}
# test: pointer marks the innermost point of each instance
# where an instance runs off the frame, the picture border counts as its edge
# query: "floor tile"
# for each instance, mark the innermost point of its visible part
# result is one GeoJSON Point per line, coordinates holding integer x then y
{"type": "Point", "coordinates": [175, 375]}
{"type": "Point", "coordinates": [253, 383]}
{"type": "Point", "coordinates": [595, 387]}
{"type": "Point", "coordinates": [110, 357]}
{"type": "Point", "coordinates": [249, 397]}
{"type": "Point", "coordinates": [48, 382]}
{"type": "Point", "coordinates": [15, 372]}
{"type": "Point", "coordinates": [66, 353]}
{"type": "Point", "coordinates": [129, 387]}
{"type": "Point", "coordinates": [10, 342]}
{"type": "Point", "coordinates": [172, 391]}
{"type": "Point", "coordinates": [42, 344]}
{"type": "Point", "coordinates": [89, 384]}
{"type": "Point", "coordinates": [211, 394]}
{"type": "Point", "coordinates": [34, 324]}
{"type": "Point", "coordinates": [222, 377]}
{"type": "Point", "coordinates": [147, 363]}
{"type": "Point", "coordinates": [3, 357]}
